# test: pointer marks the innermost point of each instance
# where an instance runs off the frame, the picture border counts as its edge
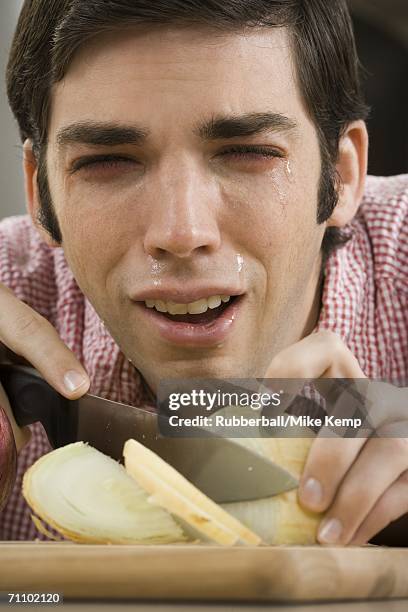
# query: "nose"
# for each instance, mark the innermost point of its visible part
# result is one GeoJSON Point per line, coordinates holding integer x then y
{"type": "Point", "coordinates": [183, 219]}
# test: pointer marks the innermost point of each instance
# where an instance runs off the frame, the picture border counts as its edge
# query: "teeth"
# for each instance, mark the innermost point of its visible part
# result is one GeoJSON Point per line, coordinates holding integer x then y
{"type": "Point", "coordinates": [174, 308]}
{"type": "Point", "coordinates": [160, 306]}
{"type": "Point", "coordinates": [196, 307]}
{"type": "Point", "coordinates": [214, 301]}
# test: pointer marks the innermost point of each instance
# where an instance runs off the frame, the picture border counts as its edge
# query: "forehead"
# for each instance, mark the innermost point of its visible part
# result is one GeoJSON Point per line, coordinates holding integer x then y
{"type": "Point", "coordinates": [153, 77]}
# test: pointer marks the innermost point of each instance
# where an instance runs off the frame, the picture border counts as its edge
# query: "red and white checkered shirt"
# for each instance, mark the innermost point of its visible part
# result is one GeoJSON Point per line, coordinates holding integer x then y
{"type": "Point", "coordinates": [365, 301]}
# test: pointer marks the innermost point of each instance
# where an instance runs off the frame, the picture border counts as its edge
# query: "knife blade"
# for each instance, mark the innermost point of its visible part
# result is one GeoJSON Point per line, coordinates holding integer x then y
{"type": "Point", "coordinates": [221, 468]}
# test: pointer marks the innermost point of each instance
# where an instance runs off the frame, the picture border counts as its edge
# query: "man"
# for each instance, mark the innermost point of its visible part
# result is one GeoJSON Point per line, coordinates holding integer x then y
{"type": "Point", "coordinates": [190, 170]}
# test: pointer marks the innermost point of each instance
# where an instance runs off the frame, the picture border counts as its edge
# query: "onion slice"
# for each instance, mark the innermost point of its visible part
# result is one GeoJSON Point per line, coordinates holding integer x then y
{"type": "Point", "coordinates": [172, 491]}
{"type": "Point", "coordinates": [279, 520]}
{"type": "Point", "coordinates": [88, 497]}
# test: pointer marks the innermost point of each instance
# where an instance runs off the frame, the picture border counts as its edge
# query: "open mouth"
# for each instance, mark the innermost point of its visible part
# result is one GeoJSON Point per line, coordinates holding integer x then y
{"type": "Point", "coordinates": [205, 322]}
{"type": "Point", "coordinates": [203, 318]}
{"type": "Point", "coordinates": [202, 312]}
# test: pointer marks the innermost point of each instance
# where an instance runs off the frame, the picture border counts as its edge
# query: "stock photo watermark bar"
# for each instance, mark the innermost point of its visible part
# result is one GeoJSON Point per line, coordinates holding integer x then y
{"type": "Point", "coordinates": [252, 408]}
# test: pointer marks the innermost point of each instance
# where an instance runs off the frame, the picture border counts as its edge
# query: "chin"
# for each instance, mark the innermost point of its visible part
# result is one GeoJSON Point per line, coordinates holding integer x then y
{"type": "Point", "coordinates": [213, 367]}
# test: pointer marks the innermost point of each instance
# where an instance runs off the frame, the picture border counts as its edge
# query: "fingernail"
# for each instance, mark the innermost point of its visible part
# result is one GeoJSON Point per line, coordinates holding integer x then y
{"type": "Point", "coordinates": [330, 531]}
{"type": "Point", "coordinates": [311, 492]}
{"type": "Point", "coordinates": [73, 380]}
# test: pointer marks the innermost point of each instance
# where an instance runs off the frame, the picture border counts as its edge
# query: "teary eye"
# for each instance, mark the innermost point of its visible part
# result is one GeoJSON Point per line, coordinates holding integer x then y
{"type": "Point", "coordinates": [101, 162]}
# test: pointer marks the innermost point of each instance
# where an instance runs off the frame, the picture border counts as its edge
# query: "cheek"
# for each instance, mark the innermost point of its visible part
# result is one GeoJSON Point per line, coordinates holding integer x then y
{"type": "Point", "coordinates": [94, 240]}
{"type": "Point", "coordinates": [274, 212]}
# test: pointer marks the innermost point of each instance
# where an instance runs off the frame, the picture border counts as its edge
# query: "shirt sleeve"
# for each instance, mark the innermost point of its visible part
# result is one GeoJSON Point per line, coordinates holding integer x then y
{"type": "Point", "coordinates": [27, 264]}
{"type": "Point", "coordinates": [385, 215]}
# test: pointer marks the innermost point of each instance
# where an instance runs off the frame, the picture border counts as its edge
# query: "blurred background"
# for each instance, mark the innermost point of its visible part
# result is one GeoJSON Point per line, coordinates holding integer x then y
{"type": "Point", "coordinates": [381, 28]}
{"type": "Point", "coordinates": [11, 178]}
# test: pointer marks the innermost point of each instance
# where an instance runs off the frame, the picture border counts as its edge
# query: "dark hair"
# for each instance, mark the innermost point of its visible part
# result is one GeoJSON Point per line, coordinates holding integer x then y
{"type": "Point", "coordinates": [49, 32]}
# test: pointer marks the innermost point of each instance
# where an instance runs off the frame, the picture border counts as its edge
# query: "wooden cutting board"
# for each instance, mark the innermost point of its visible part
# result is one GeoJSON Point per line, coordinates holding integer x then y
{"type": "Point", "coordinates": [205, 573]}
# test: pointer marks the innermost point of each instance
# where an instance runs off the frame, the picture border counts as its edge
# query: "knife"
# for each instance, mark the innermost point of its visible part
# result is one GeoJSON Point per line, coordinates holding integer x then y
{"type": "Point", "coordinates": [221, 468]}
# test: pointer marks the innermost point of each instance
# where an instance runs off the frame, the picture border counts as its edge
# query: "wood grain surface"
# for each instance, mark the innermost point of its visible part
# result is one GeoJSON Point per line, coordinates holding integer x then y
{"type": "Point", "coordinates": [205, 573]}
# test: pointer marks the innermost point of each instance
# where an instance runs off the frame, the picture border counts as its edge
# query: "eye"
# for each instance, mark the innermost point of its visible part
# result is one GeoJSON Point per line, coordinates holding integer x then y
{"type": "Point", "coordinates": [102, 162]}
{"type": "Point", "coordinates": [251, 152]}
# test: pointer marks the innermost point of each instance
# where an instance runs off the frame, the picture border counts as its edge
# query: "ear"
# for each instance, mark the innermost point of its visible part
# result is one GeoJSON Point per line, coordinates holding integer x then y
{"type": "Point", "coordinates": [352, 169]}
{"type": "Point", "coordinates": [30, 168]}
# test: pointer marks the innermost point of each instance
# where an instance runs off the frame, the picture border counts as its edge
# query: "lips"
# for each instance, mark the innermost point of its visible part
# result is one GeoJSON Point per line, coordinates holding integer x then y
{"type": "Point", "coordinates": [205, 330]}
{"type": "Point", "coordinates": [185, 294]}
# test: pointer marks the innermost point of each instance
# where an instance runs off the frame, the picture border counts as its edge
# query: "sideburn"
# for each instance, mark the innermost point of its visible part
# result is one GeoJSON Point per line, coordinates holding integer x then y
{"type": "Point", "coordinates": [46, 215]}
{"type": "Point", "coordinates": [328, 197]}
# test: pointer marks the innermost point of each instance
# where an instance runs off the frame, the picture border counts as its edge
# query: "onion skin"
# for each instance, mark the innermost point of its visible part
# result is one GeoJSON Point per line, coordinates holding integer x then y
{"type": "Point", "coordinates": [8, 458]}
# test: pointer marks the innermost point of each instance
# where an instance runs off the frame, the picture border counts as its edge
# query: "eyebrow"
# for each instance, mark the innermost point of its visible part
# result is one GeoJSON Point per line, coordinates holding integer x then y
{"type": "Point", "coordinates": [216, 128]}
{"type": "Point", "coordinates": [102, 134]}
{"type": "Point", "coordinates": [250, 124]}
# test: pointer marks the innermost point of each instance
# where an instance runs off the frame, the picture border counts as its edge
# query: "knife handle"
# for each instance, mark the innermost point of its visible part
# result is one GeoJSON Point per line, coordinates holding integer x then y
{"type": "Point", "coordinates": [32, 399]}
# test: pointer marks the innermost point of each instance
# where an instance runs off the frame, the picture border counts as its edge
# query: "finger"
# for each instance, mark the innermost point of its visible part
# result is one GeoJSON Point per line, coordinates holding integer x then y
{"type": "Point", "coordinates": [320, 354]}
{"type": "Point", "coordinates": [327, 463]}
{"type": "Point", "coordinates": [392, 505]}
{"type": "Point", "coordinates": [345, 398]}
{"type": "Point", "coordinates": [31, 336]}
{"type": "Point", "coordinates": [379, 464]}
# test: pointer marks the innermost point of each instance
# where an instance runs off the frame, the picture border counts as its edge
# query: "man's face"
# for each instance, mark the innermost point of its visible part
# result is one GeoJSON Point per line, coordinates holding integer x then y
{"type": "Point", "coordinates": [209, 189]}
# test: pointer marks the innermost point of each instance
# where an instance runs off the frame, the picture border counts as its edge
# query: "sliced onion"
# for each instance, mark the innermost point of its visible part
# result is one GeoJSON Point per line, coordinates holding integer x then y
{"type": "Point", "coordinates": [175, 493]}
{"type": "Point", "coordinates": [279, 519]}
{"type": "Point", "coordinates": [89, 497]}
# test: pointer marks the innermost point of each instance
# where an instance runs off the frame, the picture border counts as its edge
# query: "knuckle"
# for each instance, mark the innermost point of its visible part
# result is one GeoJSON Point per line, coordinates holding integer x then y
{"type": "Point", "coordinates": [327, 335]}
{"type": "Point", "coordinates": [333, 340]}
{"type": "Point", "coordinates": [26, 325]}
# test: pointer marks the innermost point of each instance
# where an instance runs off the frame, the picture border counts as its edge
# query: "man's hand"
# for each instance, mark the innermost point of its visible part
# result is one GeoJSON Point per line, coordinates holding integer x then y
{"type": "Point", "coordinates": [28, 335]}
{"type": "Point", "coordinates": [361, 484]}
